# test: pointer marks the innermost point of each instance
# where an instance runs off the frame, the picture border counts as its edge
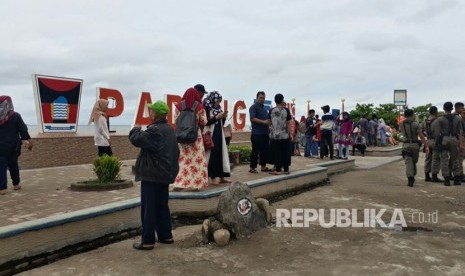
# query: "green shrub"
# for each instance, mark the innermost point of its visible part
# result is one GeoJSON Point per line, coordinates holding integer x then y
{"type": "Point", "coordinates": [107, 168]}
{"type": "Point", "coordinates": [245, 152]}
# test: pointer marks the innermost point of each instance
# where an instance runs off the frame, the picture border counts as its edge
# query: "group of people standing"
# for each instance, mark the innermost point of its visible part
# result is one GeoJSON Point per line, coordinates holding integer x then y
{"type": "Point", "coordinates": [197, 163]}
{"type": "Point", "coordinates": [443, 140]}
{"type": "Point", "coordinates": [162, 160]}
{"type": "Point", "coordinates": [271, 135]}
{"type": "Point", "coordinates": [274, 135]}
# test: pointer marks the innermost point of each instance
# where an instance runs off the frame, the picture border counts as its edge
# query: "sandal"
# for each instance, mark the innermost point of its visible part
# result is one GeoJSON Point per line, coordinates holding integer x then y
{"type": "Point", "coordinates": [170, 241]}
{"type": "Point", "coordinates": [225, 181]}
{"type": "Point", "coordinates": [253, 171]}
{"type": "Point", "coordinates": [216, 183]}
{"type": "Point", "coordinates": [140, 246]}
{"type": "Point", "coordinates": [286, 173]}
{"type": "Point", "coordinates": [266, 169]}
{"type": "Point", "coordinates": [17, 187]}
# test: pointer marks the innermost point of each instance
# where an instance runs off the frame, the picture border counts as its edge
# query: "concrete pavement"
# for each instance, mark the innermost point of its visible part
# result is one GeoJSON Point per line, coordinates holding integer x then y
{"type": "Point", "coordinates": [314, 250]}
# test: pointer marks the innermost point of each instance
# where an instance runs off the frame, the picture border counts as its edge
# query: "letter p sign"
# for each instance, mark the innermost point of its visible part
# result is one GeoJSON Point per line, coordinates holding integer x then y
{"type": "Point", "coordinates": [112, 94]}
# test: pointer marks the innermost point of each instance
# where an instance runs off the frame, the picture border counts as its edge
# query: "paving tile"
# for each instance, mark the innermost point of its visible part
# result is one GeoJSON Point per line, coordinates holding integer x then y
{"type": "Point", "coordinates": [40, 198]}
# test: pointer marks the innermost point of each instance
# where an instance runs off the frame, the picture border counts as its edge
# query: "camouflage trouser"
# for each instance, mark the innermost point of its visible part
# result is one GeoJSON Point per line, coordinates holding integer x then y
{"type": "Point", "coordinates": [411, 151]}
{"type": "Point", "coordinates": [459, 163]}
{"type": "Point", "coordinates": [433, 158]}
{"type": "Point", "coordinates": [450, 157]}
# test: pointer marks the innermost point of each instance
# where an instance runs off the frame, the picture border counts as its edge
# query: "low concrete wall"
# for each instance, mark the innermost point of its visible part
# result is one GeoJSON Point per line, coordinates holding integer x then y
{"type": "Point", "coordinates": [384, 152]}
{"type": "Point", "coordinates": [54, 150]}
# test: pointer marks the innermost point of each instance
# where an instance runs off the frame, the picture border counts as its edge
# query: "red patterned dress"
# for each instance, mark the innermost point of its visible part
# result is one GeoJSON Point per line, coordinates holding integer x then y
{"type": "Point", "coordinates": [193, 175]}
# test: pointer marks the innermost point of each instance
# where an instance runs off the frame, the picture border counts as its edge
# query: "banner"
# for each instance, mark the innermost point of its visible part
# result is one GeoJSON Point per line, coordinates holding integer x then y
{"type": "Point", "coordinates": [400, 97]}
{"type": "Point", "coordinates": [57, 103]}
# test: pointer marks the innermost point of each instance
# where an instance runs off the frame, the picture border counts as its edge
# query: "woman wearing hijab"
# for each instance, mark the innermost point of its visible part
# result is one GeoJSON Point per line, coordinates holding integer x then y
{"type": "Point", "coordinates": [344, 139]}
{"type": "Point", "coordinates": [382, 131]}
{"type": "Point", "coordinates": [192, 174]}
{"type": "Point", "coordinates": [218, 158]}
{"type": "Point", "coordinates": [101, 132]}
{"type": "Point", "coordinates": [13, 130]}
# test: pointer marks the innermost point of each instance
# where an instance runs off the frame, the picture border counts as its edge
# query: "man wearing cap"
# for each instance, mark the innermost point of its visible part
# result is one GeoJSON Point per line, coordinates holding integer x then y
{"type": "Point", "coordinates": [201, 89]}
{"type": "Point", "coordinates": [411, 130]}
{"type": "Point", "coordinates": [449, 140]}
{"type": "Point", "coordinates": [156, 167]}
{"type": "Point", "coordinates": [433, 159]}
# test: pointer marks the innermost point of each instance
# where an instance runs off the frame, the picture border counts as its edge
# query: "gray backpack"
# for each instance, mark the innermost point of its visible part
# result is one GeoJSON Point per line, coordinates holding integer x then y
{"type": "Point", "coordinates": [186, 124]}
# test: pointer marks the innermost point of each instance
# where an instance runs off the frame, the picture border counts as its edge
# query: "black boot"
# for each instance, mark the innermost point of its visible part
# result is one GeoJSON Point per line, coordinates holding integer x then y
{"type": "Point", "coordinates": [458, 180]}
{"type": "Point", "coordinates": [428, 178]}
{"type": "Point", "coordinates": [411, 180]}
{"type": "Point", "coordinates": [435, 179]}
{"type": "Point", "coordinates": [446, 181]}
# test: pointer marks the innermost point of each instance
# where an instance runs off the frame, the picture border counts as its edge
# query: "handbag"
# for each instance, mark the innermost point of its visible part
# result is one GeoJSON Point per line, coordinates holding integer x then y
{"type": "Point", "coordinates": [207, 140]}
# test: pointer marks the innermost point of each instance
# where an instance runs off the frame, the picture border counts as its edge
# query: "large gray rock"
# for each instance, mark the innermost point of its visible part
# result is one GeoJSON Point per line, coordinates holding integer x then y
{"type": "Point", "coordinates": [238, 211]}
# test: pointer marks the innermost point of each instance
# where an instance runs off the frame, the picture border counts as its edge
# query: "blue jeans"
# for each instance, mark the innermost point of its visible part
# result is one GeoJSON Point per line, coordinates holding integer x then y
{"type": "Point", "coordinates": [342, 153]}
{"type": "Point", "coordinates": [311, 147]}
{"type": "Point", "coordinates": [155, 213]}
{"type": "Point", "coordinates": [383, 137]}
{"type": "Point", "coordinates": [308, 146]}
{"type": "Point", "coordinates": [3, 168]}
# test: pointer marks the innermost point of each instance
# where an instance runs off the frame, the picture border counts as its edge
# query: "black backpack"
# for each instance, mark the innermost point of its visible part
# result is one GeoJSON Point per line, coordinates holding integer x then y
{"type": "Point", "coordinates": [186, 124]}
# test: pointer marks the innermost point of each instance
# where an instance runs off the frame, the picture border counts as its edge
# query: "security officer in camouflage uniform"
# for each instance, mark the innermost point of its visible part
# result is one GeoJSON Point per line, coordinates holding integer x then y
{"type": "Point", "coordinates": [433, 158]}
{"type": "Point", "coordinates": [449, 141]}
{"type": "Point", "coordinates": [462, 152]}
{"type": "Point", "coordinates": [411, 147]}
{"type": "Point", "coordinates": [459, 107]}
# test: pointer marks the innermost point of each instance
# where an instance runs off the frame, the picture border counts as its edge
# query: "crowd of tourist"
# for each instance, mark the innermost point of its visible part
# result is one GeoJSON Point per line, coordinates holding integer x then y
{"type": "Point", "coordinates": [194, 154]}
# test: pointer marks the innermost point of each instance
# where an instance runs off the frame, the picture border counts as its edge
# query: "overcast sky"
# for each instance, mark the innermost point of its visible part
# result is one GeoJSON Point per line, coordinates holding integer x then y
{"type": "Point", "coordinates": [317, 50]}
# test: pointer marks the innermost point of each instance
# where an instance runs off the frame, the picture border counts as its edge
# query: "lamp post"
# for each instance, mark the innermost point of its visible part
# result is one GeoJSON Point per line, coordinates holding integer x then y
{"type": "Point", "coordinates": [293, 107]}
{"type": "Point", "coordinates": [343, 100]}
{"type": "Point", "coordinates": [308, 106]}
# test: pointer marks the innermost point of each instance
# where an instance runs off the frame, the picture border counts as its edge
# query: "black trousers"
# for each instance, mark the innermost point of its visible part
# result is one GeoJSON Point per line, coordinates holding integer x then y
{"type": "Point", "coordinates": [104, 150]}
{"type": "Point", "coordinates": [282, 154]}
{"type": "Point", "coordinates": [326, 140]}
{"type": "Point", "coordinates": [259, 147]}
{"type": "Point", "coordinates": [13, 167]}
{"type": "Point", "coordinates": [154, 212]}
{"type": "Point", "coordinates": [361, 147]}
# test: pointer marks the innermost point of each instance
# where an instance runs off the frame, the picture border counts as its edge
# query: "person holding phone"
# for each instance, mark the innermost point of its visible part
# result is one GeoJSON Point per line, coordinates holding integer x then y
{"type": "Point", "coordinates": [217, 157]}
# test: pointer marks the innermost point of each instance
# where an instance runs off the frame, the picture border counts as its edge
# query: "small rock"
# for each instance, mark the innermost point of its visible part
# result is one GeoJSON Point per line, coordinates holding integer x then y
{"type": "Point", "coordinates": [206, 231]}
{"type": "Point", "coordinates": [264, 205]}
{"type": "Point", "coordinates": [221, 237]}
